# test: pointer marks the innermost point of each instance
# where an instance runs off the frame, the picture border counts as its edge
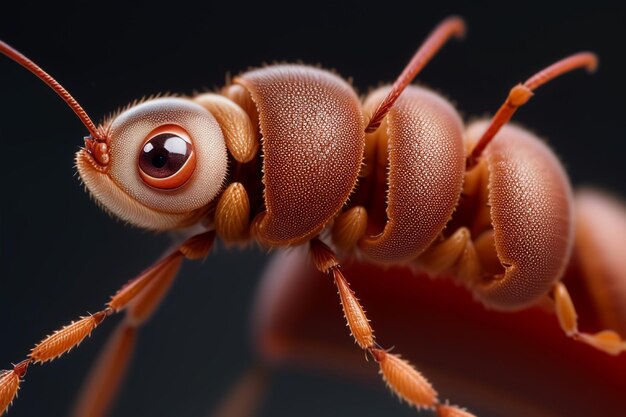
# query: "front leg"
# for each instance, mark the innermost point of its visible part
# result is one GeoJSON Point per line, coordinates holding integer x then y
{"type": "Point", "coordinates": [139, 297]}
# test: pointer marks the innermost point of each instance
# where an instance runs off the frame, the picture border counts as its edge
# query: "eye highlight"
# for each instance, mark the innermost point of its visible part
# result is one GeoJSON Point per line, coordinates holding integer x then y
{"type": "Point", "coordinates": [167, 158]}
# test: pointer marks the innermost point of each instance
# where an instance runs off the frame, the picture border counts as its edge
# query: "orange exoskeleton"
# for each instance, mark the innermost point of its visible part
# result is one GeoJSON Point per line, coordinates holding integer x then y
{"type": "Point", "coordinates": [289, 155]}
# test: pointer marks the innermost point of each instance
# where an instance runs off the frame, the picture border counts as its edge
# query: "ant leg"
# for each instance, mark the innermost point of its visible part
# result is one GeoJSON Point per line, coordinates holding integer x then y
{"type": "Point", "coordinates": [232, 215]}
{"type": "Point", "coordinates": [450, 27]}
{"type": "Point", "coordinates": [139, 297]}
{"type": "Point", "coordinates": [521, 93]}
{"type": "Point", "coordinates": [401, 377]}
{"type": "Point", "coordinates": [246, 396]}
{"type": "Point", "coordinates": [598, 253]}
{"type": "Point", "coordinates": [606, 340]}
{"type": "Point", "coordinates": [349, 227]}
{"type": "Point", "coordinates": [454, 254]}
{"type": "Point", "coordinates": [100, 388]}
{"type": "Point", "coordinates": [104, 379]}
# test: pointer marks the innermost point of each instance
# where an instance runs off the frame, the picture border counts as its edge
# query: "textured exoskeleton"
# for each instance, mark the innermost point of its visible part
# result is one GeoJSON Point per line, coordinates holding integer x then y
{"type": "Point", "coordinates": [531, 209]}
{"type": "Point", "coordinates": [289, 155]}
{"type": "Point", "coordinates": [423, 136]}
{"type": "Point", "coordinates": [312, 129]}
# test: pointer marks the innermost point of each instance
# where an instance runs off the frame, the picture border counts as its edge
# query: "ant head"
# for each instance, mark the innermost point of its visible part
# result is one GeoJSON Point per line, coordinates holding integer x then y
{"type": "Point", "coordinates": [157, 165]}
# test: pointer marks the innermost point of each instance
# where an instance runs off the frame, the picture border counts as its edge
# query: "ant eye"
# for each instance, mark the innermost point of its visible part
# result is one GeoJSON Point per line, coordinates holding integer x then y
{"type": "Point", "coordinates": [164, 154]}
{"type": "Point", "coordinates": [166, 159]}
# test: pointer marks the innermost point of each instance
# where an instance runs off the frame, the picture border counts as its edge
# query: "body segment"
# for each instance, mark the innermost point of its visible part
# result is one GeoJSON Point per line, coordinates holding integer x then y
{"type": "Point", "coordinates": [312, 128]}
{"type": "Point", "coordinates": [425, 166]}
{"type": "Point", "coordinates": [531, 210]}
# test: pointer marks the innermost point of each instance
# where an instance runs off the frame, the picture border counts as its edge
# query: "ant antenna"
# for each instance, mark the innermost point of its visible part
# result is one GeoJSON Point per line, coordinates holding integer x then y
{"type": "Point", "coordinates": [452, 26]}
{"type": "Point", "coordinates": [53, 84]}
{"type": "Point", "coordinates": [521, 93]}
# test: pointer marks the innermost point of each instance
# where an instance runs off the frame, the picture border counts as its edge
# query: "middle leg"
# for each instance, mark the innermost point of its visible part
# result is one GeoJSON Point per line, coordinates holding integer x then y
{"type": "Point", "coordinates": [401, 377]}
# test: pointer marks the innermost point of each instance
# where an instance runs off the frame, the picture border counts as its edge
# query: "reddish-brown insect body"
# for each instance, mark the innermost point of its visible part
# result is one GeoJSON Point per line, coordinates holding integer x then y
{"type": "Point", "coordinates": [312, 162]}
{"type": "Point", "coordinates": [289, 155]}
{"type": "Point", "coordinates": [426, 159]}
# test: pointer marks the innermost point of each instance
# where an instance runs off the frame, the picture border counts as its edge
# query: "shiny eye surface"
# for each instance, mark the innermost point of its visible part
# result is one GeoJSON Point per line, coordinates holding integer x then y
{"type": "Point", "coordinates": [167, 159]}
{"type": "Point", "coordinates": [164, 154]}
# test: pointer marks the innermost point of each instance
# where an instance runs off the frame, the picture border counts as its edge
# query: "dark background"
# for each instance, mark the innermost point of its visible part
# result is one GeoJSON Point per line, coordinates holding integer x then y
{"type": "Point", "coordinates": [61, 256]}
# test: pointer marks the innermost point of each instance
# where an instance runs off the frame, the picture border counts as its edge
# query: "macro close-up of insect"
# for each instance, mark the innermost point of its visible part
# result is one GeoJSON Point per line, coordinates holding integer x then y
{"type": "Point", "coordinates": [471, 273]}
